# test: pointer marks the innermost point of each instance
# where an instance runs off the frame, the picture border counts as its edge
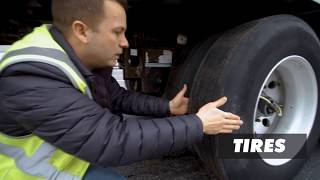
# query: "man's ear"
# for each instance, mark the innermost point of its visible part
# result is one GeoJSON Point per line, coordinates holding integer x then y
{"type": "Point", "coordinates": [81, 31]}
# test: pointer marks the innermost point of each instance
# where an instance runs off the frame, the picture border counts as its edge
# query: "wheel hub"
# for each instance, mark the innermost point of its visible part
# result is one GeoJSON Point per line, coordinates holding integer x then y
{"type": "Point", "coordinates": [287, 101]}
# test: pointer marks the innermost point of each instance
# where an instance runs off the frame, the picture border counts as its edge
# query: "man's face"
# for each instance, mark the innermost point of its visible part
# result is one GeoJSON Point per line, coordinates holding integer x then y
{"type": "Point", "coordinates": [106, 43]}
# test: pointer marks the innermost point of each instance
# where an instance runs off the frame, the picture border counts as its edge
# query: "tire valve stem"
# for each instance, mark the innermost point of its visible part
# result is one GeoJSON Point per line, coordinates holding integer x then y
{"type": "Point", "coordinates": [272, 106]}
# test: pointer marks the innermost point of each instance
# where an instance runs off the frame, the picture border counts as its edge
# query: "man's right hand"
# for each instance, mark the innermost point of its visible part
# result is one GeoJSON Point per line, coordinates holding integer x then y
{"type": "Point", "coordinates": [216, 121]}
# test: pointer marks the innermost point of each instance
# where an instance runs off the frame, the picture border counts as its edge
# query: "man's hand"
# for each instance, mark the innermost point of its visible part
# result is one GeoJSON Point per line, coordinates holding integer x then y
{"type": "Point", "coordinates": [179, 104]}
{"type": "Point", "coordinates": [216, 121]}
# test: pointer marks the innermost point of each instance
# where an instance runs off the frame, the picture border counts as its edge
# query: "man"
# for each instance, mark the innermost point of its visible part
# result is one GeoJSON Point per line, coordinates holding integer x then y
{"type": "Point", "coordinates": [59, 102]}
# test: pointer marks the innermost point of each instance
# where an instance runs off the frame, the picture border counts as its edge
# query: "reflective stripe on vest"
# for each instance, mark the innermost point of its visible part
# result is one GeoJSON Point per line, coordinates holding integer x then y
{"type": "Point", "coordinates": [29, 157]}
{"type": "Point", "coordinates": [38, 165]}
{"type": "Point", "coordinates": [71, 74]}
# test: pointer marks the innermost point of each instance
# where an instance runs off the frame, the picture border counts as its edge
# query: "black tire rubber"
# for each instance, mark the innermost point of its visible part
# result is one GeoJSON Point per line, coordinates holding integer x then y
{"type": "Point", "coordinates": [186, 66]}
{"type": "Point", "coordinates": [236, 66]}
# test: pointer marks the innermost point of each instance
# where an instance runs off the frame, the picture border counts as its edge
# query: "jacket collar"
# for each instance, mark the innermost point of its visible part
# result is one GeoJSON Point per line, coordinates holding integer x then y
{"type": "Point", "coordinates": [59, 38]}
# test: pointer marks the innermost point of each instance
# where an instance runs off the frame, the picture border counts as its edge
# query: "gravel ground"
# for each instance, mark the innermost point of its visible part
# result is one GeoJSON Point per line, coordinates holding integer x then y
{"type": "Point", "coordinates": [183, 165]}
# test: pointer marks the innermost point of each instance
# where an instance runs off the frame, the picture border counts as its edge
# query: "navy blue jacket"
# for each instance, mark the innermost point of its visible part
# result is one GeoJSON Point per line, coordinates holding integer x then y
{"type": "Point", "coordinates": [38, 98]}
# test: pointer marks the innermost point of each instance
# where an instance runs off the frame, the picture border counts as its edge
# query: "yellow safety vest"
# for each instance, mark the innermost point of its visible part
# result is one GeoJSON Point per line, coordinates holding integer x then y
{"type": "Point", "coordinates": [30, 157]}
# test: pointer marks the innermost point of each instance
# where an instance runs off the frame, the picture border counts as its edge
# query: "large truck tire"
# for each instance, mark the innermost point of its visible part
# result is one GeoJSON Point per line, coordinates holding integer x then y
{"type": "Point", "coordinates": [275, 59]}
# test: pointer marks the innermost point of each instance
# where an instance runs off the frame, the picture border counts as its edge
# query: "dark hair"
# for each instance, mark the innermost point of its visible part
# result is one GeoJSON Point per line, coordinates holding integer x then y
{"type": "Point", "coordinates": [65, 12]}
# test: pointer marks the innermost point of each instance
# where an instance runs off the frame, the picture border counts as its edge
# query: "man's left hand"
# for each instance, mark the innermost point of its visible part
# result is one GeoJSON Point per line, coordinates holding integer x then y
{"type": "Point", "coordinates": [179, 104]}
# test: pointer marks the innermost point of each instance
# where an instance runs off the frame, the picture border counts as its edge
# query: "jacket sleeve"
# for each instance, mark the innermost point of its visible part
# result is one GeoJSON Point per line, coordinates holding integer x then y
{"type": "Point", "coordinates": [136, 103]}
{"type": "Point", "coordinates": [62, 116]}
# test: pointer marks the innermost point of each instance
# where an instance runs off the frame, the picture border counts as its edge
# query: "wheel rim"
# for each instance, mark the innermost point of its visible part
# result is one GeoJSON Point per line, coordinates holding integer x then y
{"type": "Point", "coordinates": [287, 101]}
